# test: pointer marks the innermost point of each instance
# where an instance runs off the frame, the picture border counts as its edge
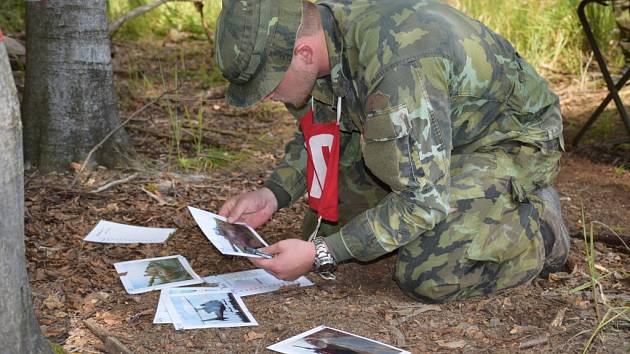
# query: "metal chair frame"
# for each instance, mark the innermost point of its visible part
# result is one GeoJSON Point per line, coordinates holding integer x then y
{"type": "Point", "coordinates": [613, 88]}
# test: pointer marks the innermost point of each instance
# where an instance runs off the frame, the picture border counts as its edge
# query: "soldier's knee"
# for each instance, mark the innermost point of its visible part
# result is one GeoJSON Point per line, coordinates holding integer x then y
{"type": "Point", "coordinates": [427, 291]}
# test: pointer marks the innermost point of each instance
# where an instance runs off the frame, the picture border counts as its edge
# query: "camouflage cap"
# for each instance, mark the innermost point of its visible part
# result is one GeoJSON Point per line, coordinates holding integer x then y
{"type": "Point", "coordinates": [254, 46]}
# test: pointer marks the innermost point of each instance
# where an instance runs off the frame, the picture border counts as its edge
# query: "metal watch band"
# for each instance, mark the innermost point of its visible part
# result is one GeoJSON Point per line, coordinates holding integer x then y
{"type": "Point", "coordinates": [325, 264]}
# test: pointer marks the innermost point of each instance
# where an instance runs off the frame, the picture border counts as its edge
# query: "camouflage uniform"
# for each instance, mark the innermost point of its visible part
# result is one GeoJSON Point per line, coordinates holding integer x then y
{"type": "Point", "coordinates": [622, 17]}
{"type": "Point", "coordinates": [446, 132]}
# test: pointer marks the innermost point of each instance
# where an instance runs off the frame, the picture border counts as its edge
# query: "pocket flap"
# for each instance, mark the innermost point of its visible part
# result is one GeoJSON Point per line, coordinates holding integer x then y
{"type": "Point", "coordinates": [391, 123]}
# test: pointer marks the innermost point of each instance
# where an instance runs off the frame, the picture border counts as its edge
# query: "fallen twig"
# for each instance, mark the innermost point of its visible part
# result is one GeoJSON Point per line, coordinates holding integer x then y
{"type": "Point", "coordinates": [109, 135]}
{"type": "Point", "coordinates": [534, 342]}
{"type": "Point", "coordinates": [115, 26]}
{"type": "Point", "coordinates": [154, 196]}
{"type": "Point", "coordinates": [114, 183]}
{"type": "Point", "coordinates": [111, 344]}
{"type": "Point", "coordinates": [619, 242]}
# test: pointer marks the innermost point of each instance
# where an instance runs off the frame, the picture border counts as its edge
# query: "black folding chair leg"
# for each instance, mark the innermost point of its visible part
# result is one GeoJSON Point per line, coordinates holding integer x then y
{"type": "Point", "coordinates": [612, 88]}
{"type": "Point", "coordinates": [601, 109]}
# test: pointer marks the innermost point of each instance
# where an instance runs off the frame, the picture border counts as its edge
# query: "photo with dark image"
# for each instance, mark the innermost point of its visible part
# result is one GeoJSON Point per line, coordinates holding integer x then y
{"type": "Point", "coordinates": [208, 309]}
{"type": "Point", "coordinates": [239, 236]}
{"type": "Point", "coordinates": [331, 341]}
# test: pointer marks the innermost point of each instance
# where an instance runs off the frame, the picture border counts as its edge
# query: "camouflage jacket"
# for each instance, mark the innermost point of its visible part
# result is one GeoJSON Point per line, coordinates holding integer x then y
{"type": "Point", "coordinates": [419, 81]}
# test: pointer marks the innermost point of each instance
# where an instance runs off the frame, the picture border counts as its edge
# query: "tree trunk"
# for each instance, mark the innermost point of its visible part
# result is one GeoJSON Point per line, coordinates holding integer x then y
{"type": "Point", "coordinates": [19, 331]}
{"type": "Point", "coordinates": [69, 99]}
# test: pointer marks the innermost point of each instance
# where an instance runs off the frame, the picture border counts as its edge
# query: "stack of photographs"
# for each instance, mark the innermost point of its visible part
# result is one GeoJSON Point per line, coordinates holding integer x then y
{"type": "Point", "coordinates": [332, 341]}
{"type": "Point", "coordinates": [145, 275]}
{"type": "Point", "coordinates": [192, 308]}
{"type": "Point", "coordinates": [244, 283]}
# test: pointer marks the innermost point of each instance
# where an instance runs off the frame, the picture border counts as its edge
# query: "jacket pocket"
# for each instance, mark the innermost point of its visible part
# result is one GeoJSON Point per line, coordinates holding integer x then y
{"type": "Point", "coordinates": [386, 146]}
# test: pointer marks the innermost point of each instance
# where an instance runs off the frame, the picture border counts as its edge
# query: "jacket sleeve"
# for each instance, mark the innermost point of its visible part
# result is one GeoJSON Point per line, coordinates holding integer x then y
{"type": "Point", "coordinates": [288, 180]}
{"type": "Point", "coordinates": [406, 144]}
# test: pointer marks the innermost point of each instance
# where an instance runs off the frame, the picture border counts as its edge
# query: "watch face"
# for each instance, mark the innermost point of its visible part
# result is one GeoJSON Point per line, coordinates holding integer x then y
{"type": "Point", "coordinates": [326, 267]}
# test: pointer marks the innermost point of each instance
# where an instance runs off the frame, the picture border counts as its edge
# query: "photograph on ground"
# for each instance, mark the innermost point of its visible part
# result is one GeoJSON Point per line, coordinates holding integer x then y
{"type": "Point", "coordinates": [326, 340]}
{"type": "Point", "coordinates": [207, 309]}
{"type": "Point", "coordinates": [144, 275]}
{"type": "Point", "coordinates": [231, 239]}
{"type": "Point", "coordinates": [161, 313]}
{"type": "Point", "coordinates": [254, 281]}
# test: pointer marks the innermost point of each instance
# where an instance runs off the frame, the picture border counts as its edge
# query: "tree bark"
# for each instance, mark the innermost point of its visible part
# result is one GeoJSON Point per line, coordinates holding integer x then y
{"type": "Point", "coordinates": [19, 331]}
{"type": "Point", "coordinates": [69, 99]}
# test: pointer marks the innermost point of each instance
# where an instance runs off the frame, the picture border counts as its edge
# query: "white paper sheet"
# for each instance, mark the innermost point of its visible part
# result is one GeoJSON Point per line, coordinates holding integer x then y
{"type": "Point", "coordinates": [143, 275]}
{"type": "Point", "coordinates": [111, 232]}
{"type": "Point", "coordinates": [206, 308]}
{"type": "Point", "coordinates": [324, 339]}
{"type": "Point", "coordinates": [229, 239]}
{"type": "Point", "coordinates": [255, 281]}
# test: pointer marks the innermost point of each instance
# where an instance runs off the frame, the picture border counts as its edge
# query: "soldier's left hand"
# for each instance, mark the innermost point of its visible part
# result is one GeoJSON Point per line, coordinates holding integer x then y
{"type": "Point", "coordinates": [292, 258]}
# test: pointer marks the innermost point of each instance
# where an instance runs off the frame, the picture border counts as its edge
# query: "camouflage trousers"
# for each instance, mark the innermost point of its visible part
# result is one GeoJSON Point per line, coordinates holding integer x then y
{"type": "Point", "coordinates": [491, 239]}
{"type": "Point", "coordinates": [622, 17]}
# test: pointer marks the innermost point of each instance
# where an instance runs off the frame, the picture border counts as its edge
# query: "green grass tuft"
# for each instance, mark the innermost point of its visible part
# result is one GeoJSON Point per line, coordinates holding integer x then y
{"type": "Point", "coordinates": [546, 32]}
{"type": "Point", "coordinates": [182, 16]}
{"type": "Point", "coordinates": [57, 349]}
{"type": "Point", "coordinates": [12, 15]}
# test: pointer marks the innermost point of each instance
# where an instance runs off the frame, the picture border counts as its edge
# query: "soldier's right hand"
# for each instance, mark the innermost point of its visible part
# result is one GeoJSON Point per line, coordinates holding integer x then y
{"type": "Point", "coordinates": [253, 208]}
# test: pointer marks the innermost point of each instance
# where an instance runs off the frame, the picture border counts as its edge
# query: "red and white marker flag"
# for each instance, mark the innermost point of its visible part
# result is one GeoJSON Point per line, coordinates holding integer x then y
{"type": "Point", "coordinates": [322, 166]}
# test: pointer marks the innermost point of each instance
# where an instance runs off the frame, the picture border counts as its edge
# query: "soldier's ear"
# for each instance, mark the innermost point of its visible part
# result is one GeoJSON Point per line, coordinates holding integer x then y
{"type": "Point", "coordinates": [304, 52]}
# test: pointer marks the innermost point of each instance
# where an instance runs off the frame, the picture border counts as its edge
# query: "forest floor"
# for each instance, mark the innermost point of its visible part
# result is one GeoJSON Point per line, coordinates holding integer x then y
{"type": "Point", "coordinates": [183, 163]}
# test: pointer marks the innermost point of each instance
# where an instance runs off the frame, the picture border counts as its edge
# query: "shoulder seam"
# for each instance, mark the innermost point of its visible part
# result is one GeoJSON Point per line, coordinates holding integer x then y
{"type": "Point", "coordinates": [407, 60]}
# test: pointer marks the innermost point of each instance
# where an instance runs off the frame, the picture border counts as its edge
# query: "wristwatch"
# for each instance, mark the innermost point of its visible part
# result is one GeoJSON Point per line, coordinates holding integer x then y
{"type": "Point", "coordinates": [325, 264]}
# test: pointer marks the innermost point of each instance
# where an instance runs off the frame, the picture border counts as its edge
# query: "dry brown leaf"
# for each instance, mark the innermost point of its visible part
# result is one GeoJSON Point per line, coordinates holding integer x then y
{"type": "Point", "coordinates": [474, 332]}
{"type": "Point", "coordinates": [109, 318]}
{"type": "Point", "coordinates": [251, 335]}
{"type": "Point", "coordinates": [61, 314]}
{"type": "Point", "coordinates": [452, 345]}
{"type": "Point", "coordinates": [557, 322]}
{"type": "Point", "coordinates": [52, 331]}
{"type": "Point", "coordinates": [75, 166]}
{"type": "Point", "coordinates": [53, 302]}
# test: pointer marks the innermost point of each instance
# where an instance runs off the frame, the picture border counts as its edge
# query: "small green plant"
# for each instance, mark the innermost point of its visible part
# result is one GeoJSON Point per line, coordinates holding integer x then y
{"type": "Point", "coordinates": [187, 126]}
{"type": "Point", "coordinates": [175, 123]}
{"type": "Point", "coordinates": [209, 158]}
{"type": "Point", "coordinates": [604, 129]}
{"type": "Point", "coordinates": [57, 349]}
{"type": "Point", "coordinates": [620, 170]}
{"type": "Point", "coordinates": [195, 127]}
{"type": "Point", "coordinates": [612, 313]}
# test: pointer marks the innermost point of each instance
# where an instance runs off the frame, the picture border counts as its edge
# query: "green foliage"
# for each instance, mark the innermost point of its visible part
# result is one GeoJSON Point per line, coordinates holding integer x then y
{"type": "Point", "coordinates": [12, 15]}
{"type": "Point", "coordinates": [209, 158]}
{"type": "Point", "coordinates": [57, 349]}
{"type": "Point", "coordinates": [595, 285]}
{"type": "Point", "coordinates": [546, 32]}
{"type": "Point", "coordinates": [187, 147]}
{"type": "Point", "coordinates": [620, 170]}
{"type": "Point", "coordinates": [182, 16]}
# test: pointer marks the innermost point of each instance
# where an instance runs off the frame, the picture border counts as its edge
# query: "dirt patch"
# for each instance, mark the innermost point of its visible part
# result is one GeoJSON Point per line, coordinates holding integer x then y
{"type": "Point", "coordinates": [73, 281]}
